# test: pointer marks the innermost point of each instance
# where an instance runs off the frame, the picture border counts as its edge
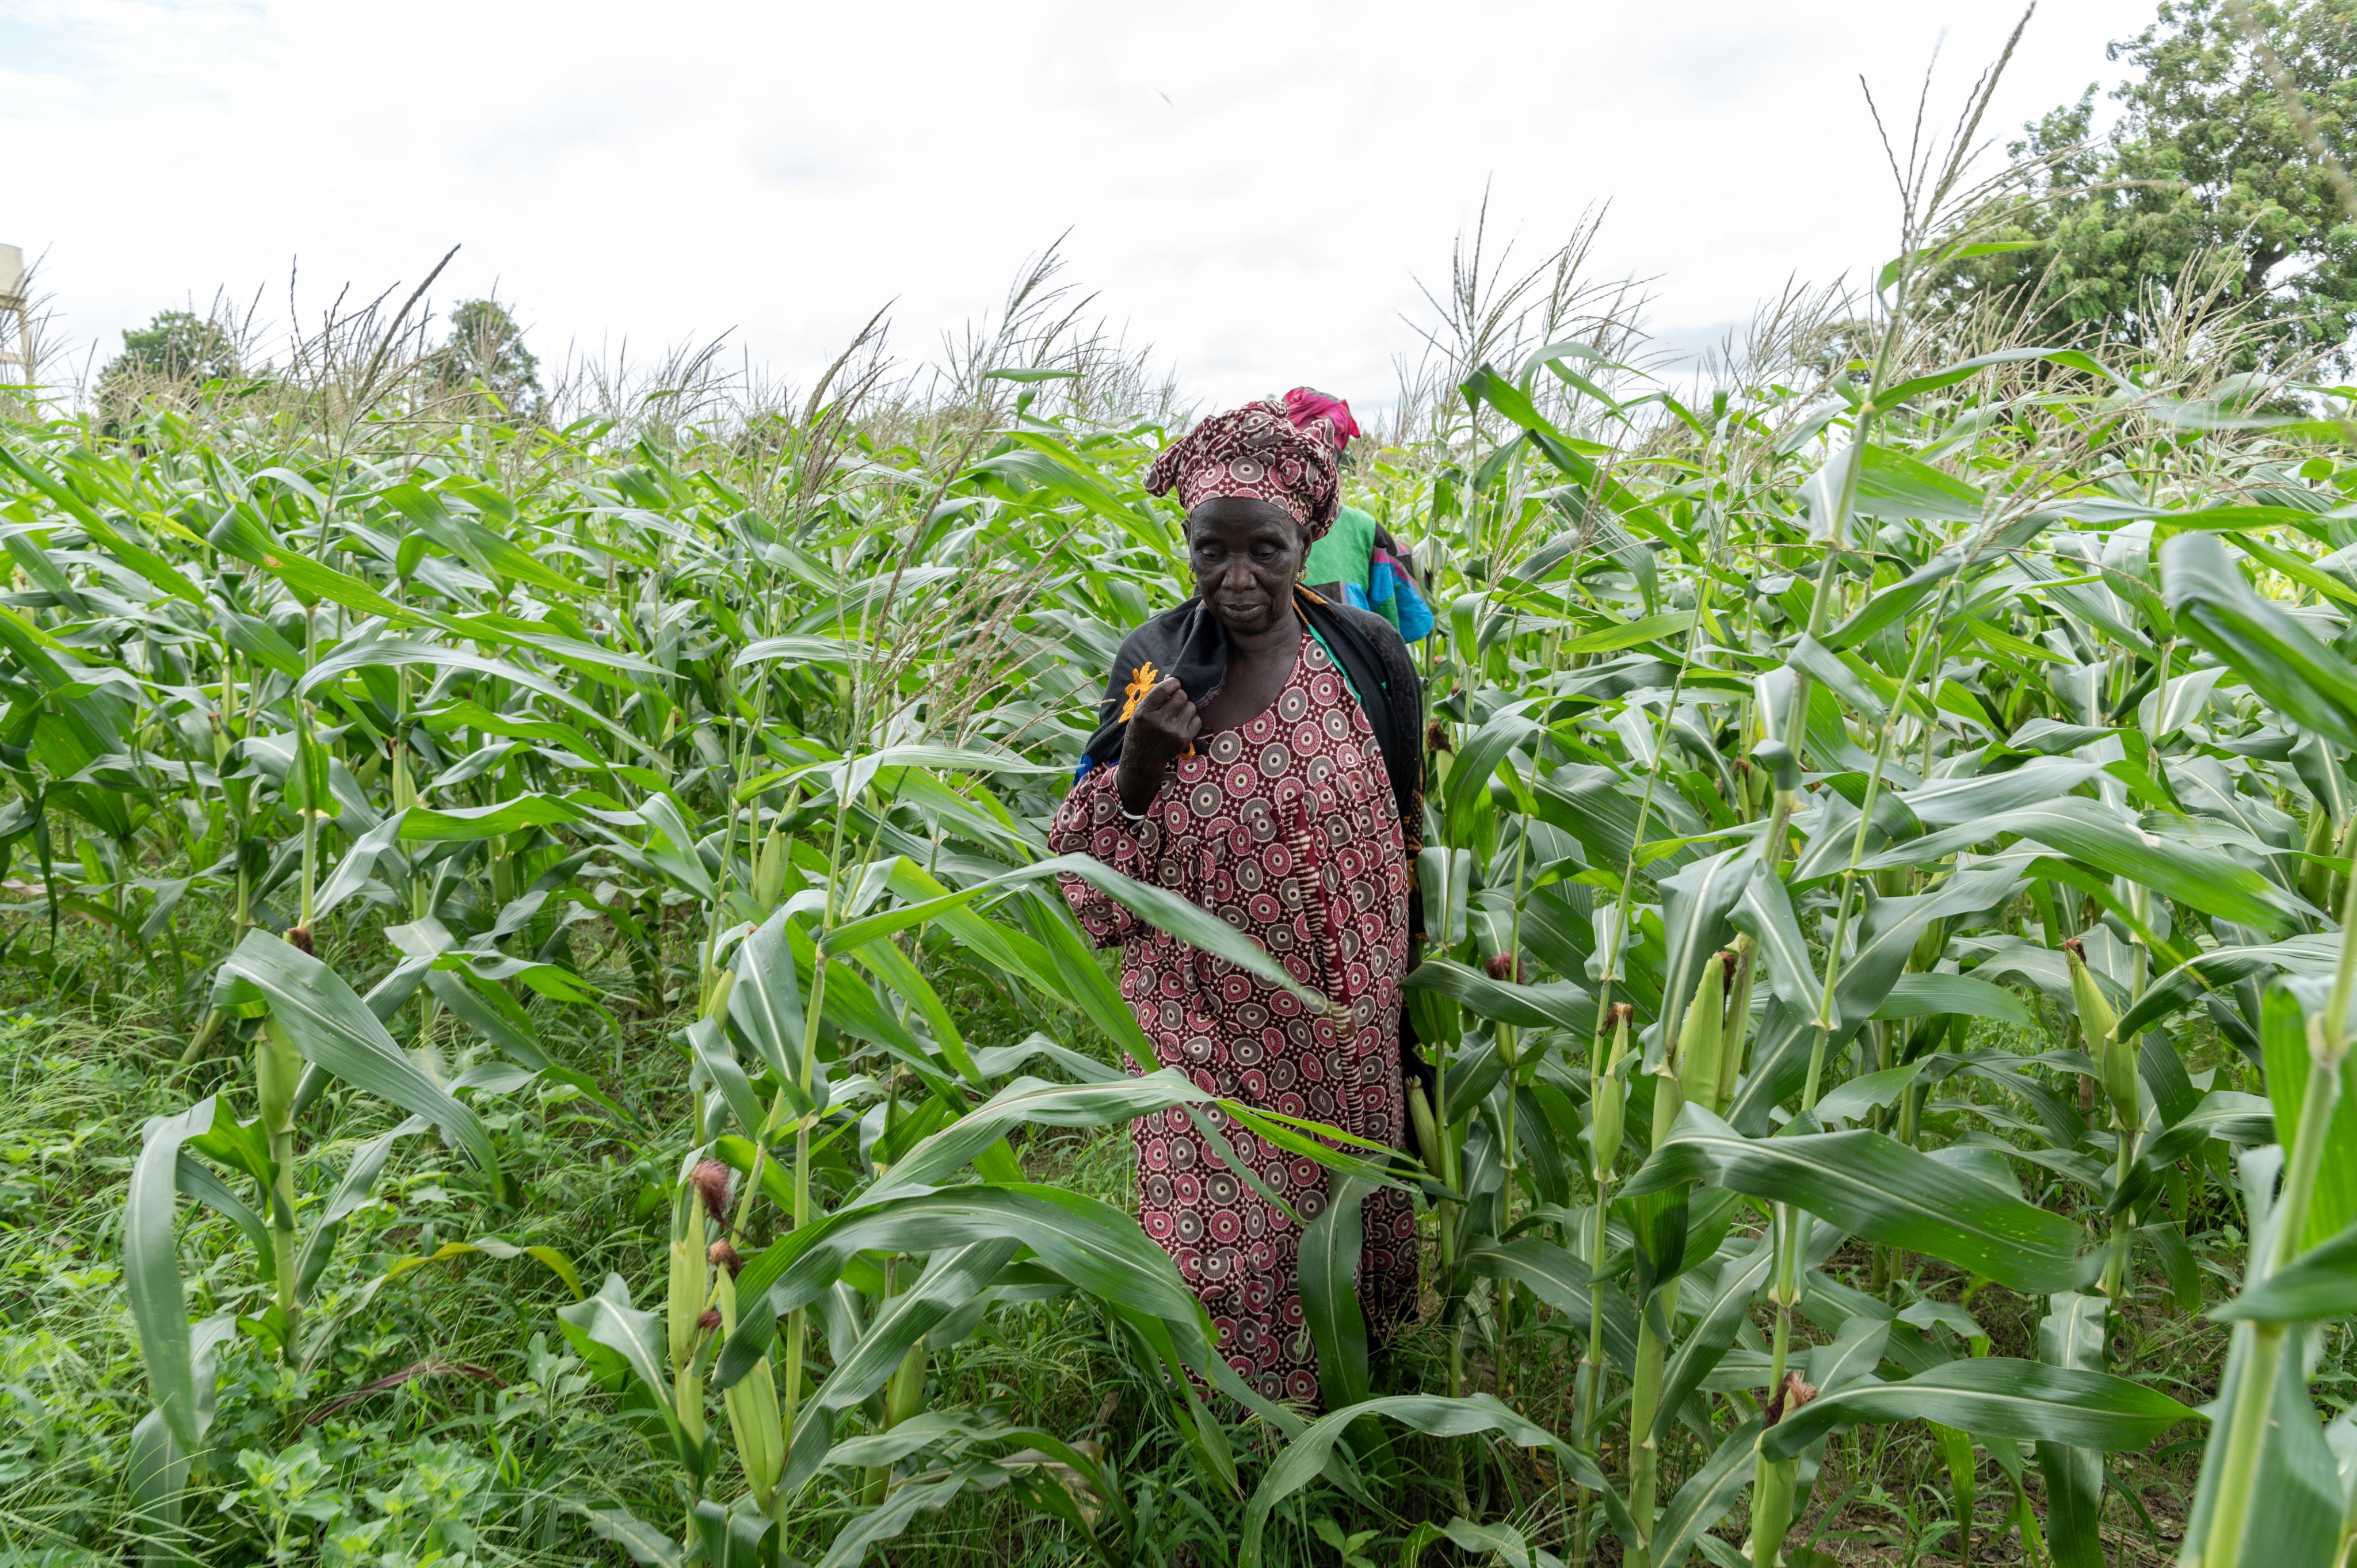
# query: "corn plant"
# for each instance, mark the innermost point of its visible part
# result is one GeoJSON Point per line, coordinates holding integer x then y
{"type": "Point", "coordinates": [1886, 854]}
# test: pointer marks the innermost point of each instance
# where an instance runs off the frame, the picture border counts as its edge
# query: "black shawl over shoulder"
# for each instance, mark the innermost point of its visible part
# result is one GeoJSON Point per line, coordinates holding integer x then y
{"type": "Point", "coordinates": [1190, 643]}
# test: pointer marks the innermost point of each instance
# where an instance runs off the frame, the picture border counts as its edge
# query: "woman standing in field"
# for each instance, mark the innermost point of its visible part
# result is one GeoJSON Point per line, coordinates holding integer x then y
{"type": "Point", "coordinates": [1260, 752]}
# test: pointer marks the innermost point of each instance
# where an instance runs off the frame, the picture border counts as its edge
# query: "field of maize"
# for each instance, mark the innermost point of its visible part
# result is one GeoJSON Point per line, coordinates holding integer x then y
{"type": "Point", "coordinates": [539, 1025]}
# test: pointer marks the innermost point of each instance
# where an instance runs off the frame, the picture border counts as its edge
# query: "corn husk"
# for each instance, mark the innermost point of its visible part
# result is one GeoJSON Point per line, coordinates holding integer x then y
{"type": "Point", "coordinates": [2315, 878]}
{"type": "Point", "coordinates": [1702, 1034]}
{"type": "Point", "coordinates": [2114, 1059]}
{"type": "Point", "coordinates": [690, 1271]}
{"type": "Point", "coordinates": [1738, 1027]}
{"type": "Point", "coordinates": [1609, 1097]}
{"type": "Point", "coordinates": [751, 1403]}
{"type": "Point", "coordinates": [769, 869]}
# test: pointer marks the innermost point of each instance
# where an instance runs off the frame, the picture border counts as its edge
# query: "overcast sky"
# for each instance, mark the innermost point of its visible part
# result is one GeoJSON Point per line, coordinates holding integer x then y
{"type": "Point", "coordinates": [1254, 189]}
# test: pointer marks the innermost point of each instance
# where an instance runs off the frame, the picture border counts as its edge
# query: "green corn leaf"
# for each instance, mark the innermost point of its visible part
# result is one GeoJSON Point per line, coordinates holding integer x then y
{"type": "Point", "coordinates": [1870, 1092]}
{"type": "Point", "coordinates": [358, 1181]}
{"type": "Point", "coordinates": [2320, 1285]}
{"type": "Point", "coordinates": [953, 1276]}
{"type": "Point", "coordinates": [1631, 634]}
{"type": "Point", "coordinates": [766, 1002]}
{"type": "Point", "coordinates": [648, 1547]}
{"type": "Point", "coordinates": [1098, 1249]}
{"type": "Point", "coordinates": [485, 550]}
{"type": "Point", "coordinates": [1931, 995]}
{"type": "Point", "coordinates": [1998, 1397]}
{"type": "Point", "coordinates": [240, 533]}
{"type": "Point", "coordinates": [388, 653]}
{"type": "Point", "coordinates": [155, 1474]}
{"type": "Point", "coordinates": [1701, 1349]}
{"type": "Point", "coordinates": [157, 1468]}
{"type": "Point", "coordinates": [1158, 906]}
{"type": "Point", "coordinates": [1695, 903]}
{"type": "Point", "coordinates": [1307, 1455]}
{"type": "Point", "coordinates": [741, 1537]}
{"type": "Point", "coordinates": [1502, 1541]}
{"type": "Point", "coordinates": [796, 649]}
{"type": "Point", "coordinates": [859, 933]}
{"type": "Point", "coordinates": [1028, 1101]}
{"type": "Point", "coordinates": [721, 1071]}
{"type": "Point", "coordinates": [333, 1028]}
{"type": "Point", "coordinates": [1708, 1495]}
{"type": "Point", "coordinates": [2224, 966]}
{"type": "Point", "coordinates": [490, 1012]}
{"type": "Point", "coordinates": [852, 1544]}
{"type": "Point", "coordinates": [1081, 981]}
{"type": "Point", "coordinates": [1477, 762]}
{"type": "Point", "coordinates": [1329, 1293]}
{"type": "Point", "coordinates": [1876, 1187]}
{"type": "Point", "coordinates": [2280, 658]}
{"type": "Point", "coordinates": [351, 873]}
{"type": "Point", "coordinates": [2071, 1336]}
{"type": "Point", "coordinates": [1949, 375]}
{"type": "Point", "coordinates": [1551, 1004]}
{"type": "Point", "coordinates": [1887, 934]}
{"type": "Point", "coordinates": [1887, 605]}
{"type": "Point", "coordinates": [1764, 913]}
{"type": "Point", "coordinates": [151, 1271]}
{"type": "Point", "coordinates": [636, 1336]}
{"type": "Point", "coordinates": [198, 1181]}
{"type": "Point", "coordinates": [1892, 484]}
{"type": "Point", "coordinates": [1557, 1276]}
{"type": "Point", "coordinates": [555, 1262]}
{"type": "Point", "coordinates": [2299, 1504]}
{"type": "Point", "coordinates": [147, 563]}
{"type": "Point", "coordinates": [2115, 844]}
{"type": "Point", "coordinates": [899, 974]}
{"type": "Point", "coordinates": [1008, 950]}
{"type": "Point", "coordinates": [2285, 1011]}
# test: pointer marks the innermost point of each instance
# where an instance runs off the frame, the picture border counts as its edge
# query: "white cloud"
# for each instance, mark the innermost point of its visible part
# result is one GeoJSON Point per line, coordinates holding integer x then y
{"type": "Point", "coordinates": [1251, 188]}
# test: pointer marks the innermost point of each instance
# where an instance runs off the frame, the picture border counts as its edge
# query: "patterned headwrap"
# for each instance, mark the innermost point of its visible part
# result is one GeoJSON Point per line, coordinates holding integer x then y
{"type": "Point", "coordinates": [1286, 453]}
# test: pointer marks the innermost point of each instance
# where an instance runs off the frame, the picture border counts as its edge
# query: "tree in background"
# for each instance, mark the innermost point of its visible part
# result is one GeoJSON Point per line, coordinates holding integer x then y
{"type": "Point", "coordinates": [175, 346]}
{"type": "Point", "coordinates": [2207, 186]}
{"type": "Point", "coordinates": [485, 349]}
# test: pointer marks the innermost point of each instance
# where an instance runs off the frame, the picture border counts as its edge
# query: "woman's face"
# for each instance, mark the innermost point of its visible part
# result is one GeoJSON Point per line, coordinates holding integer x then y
{"type": "Point", "coordinates": [1246, 555]}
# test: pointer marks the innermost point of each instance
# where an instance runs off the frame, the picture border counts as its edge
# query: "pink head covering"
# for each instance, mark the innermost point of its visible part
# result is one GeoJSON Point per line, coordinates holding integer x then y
{"type": "Point", "coordinates": [1306, 406]}
{"type": "Point", "coordinates": [1287, 454]}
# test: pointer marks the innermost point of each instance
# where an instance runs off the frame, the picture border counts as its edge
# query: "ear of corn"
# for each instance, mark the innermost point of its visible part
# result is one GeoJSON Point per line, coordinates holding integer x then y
{"type": "Point", "coordinates": [2116, 1058]}
{"type": "Point", "coordinates": [751, 1403]}
{"type": "Point", "coordinates": [1608, 1102]}
{"type": "Point", "coordinates": [1702, 1034]}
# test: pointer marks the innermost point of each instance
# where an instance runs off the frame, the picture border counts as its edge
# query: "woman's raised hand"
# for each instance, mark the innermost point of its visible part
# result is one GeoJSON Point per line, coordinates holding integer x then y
{"type": "Point", "coordinates": [1164, 725]}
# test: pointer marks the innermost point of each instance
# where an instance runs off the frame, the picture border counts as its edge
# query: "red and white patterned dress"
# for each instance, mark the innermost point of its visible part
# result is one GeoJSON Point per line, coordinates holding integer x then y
{"type": "Point", "coordinates": [1285, 826]}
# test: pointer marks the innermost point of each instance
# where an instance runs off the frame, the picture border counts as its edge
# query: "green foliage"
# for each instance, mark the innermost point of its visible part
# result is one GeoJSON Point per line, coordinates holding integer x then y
{"type": "Point", "coordinates": [2208, 187]}
{"type": "Point", "coordinates": [553, 1029]}
{"type": "Point", "coordinates": [176, 345]}
{"type": "Point", "coordinates": [485, 349]}
{"type": "Point", "coordinates": [177, 351]}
